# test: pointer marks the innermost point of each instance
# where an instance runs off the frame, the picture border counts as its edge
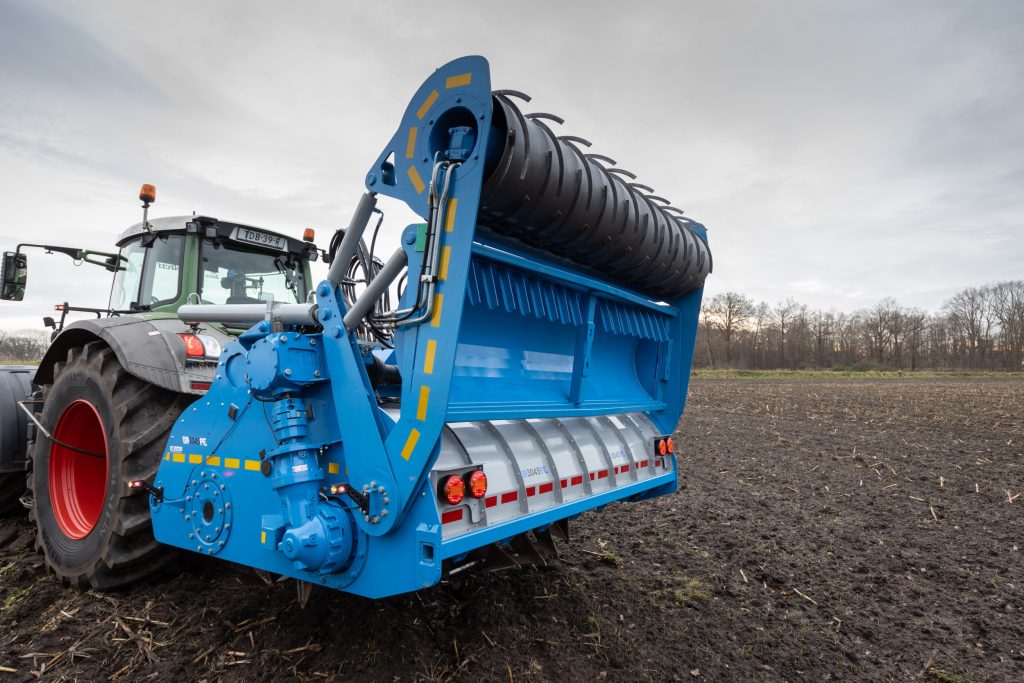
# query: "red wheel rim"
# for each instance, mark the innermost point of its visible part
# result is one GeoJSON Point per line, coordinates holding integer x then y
{"type": "Point", "coordinates": [78, 482]}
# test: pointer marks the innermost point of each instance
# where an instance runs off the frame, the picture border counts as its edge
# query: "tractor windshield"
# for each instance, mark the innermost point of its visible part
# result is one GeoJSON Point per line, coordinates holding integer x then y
{"type": "Point", "coordinates": [236, 275]}
{"type": "Point", "coordinates": [148, 276]}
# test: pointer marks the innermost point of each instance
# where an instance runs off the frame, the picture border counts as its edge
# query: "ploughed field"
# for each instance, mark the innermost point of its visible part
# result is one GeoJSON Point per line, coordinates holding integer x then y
{"type": "Point", "coordinates": [852, 530]}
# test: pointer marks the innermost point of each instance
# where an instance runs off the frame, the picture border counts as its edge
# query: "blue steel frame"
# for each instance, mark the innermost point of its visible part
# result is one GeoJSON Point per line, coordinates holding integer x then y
{"type": "Point", "coordinates": [581, 346]}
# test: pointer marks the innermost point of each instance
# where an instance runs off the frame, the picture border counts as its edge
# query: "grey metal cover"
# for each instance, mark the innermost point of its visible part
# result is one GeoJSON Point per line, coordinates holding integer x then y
{"type": "Point", "coordinates": [540, 463]}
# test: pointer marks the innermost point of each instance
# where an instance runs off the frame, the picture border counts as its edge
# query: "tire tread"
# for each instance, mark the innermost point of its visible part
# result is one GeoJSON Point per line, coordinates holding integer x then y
{"type": "Point", "coordinates": [145, 415]}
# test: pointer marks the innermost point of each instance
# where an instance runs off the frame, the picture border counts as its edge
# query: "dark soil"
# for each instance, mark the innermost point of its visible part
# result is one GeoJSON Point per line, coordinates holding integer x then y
{"type": "Point", "coordinates": [851, 530]}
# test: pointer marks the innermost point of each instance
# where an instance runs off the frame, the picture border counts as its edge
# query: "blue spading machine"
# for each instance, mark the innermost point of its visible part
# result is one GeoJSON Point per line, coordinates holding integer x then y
{"type": "Point", "coordinates": [535, 366]}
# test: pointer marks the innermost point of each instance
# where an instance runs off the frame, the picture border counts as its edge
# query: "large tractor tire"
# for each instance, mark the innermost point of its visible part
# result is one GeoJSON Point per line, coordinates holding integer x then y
{"type": "Point", "coordinates": [94, 530]}
{"type": "Point", "coordinates": [15, 385]}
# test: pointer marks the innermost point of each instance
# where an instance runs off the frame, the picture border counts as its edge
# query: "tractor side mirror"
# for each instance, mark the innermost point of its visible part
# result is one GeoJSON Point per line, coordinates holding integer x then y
{"type": "Point", "coordinates": [14, 274]}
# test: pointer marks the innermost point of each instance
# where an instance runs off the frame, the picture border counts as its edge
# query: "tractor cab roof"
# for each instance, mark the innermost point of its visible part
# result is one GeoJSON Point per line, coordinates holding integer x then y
{"type": "Point", "coordinates": [259, 239]}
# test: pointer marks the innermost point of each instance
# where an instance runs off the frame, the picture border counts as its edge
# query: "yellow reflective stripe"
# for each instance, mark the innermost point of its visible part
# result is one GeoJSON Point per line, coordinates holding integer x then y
{"type": "Point", "coordinates": [410, 443]}
{"type": "Point", "coordinates": [213, 460]}
{"type": "Point", "coordinates": [428, 361]}
{"type": "Point", "coordinates": [410, 147]}
{"type": "Point", "coordinates": [449, 220]}
{"type": "Point", "coordinates": [427, 104]}
{"type": "Point", "coordinates": [232, 463]}
{"type": "Point", "coordinates": [456, 81]}
{"type": "Point", "coordinates": [421, 409]}
{"type": "Point", "coordinates": [263, 538]}
{"type": "Point", "coordinates": [435, 320]}
{"type": "Point", "coordinates": [332, 468]}
{"type": "Point", "coordinates": [178, 457]}
{"type": "Point", "coordinates": [252, 465]}
{"type": "Point", "coordinates": [195, 459]}
{"type": "Point", "coordinates": [446, 255]}
{"type": "Point", "coordinates": [417, 181]}
{"type": "Point", "coordinates": [168, 456]}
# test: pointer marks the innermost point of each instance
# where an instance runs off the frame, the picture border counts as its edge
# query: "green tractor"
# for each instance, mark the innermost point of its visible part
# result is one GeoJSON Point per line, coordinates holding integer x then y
{"type": "Point", "coordinates": [94, 416]}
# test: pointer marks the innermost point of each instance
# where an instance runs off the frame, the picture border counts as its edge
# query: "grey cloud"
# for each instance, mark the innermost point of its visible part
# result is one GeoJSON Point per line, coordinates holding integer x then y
{"type": "Point", "coordinates": [42, 51]}
{"type": "Point", "coordinates": [838, 152]}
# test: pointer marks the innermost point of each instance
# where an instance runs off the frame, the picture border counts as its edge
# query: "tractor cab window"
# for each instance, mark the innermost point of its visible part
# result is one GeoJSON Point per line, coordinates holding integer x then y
{"type": "Point", "coordinates": [235, 275]}
{"type": "Point", "coordinates": [150, 275]}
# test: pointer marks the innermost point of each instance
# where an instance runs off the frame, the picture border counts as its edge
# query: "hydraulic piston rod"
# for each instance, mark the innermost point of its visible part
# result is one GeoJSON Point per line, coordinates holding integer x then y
{"type": "Point", "coordinates": [375, 289]}
{"type": "Point", "coordinates": [353, 233]}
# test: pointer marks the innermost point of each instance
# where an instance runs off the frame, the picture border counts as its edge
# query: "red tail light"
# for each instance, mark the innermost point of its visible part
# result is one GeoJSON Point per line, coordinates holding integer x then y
{"type": "Point", "coordinates": [671, 445]}
{"type": "Point", "coordinates": [477, 484]}
{"type": "Point", "coordinates": [193, 346]}
{"type": "Point", "coordinates": [662, 447]}
{"type": "Point", "coordinates": [453, 490]}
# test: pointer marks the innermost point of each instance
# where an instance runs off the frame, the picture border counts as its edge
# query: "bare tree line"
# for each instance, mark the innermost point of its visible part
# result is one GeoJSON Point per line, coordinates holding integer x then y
{"type": "Point", "coordinates": [24, 346]}
{"type": "Point", "coordinates": [979, 328]}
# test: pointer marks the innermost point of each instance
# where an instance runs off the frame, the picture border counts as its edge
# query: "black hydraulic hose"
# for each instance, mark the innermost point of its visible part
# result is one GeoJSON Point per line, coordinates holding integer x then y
{"type": "Point", "coordinates": [49, 436]}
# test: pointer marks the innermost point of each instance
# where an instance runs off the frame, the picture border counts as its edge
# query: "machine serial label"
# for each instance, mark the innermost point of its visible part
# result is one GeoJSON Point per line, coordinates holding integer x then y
{"type": "Point", "coordinates": [176, 449]}
{"type": "Point", "coordinates": [531, 472]}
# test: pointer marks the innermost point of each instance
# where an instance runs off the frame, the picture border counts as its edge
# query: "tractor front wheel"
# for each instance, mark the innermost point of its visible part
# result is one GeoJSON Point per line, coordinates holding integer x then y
{"type": "Point", "coordinates": [109, 429]}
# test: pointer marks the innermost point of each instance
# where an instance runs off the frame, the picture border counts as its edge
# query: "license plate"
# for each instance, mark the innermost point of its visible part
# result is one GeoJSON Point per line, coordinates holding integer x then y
{"type": "Point", "coordinates": [264, 239]}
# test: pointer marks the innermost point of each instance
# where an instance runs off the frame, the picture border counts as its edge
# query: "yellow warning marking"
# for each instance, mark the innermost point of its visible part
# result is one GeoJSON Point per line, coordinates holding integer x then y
{"type": "Point", "coordinates": [332, 468]}
{"type": "Point", "coordinates": [435, 320]}
{"type": "Point", "coordinates": [410, 443]}
{"type": "Point", "coordinates": [427, 104]}
{"type": "Point", "coordinates": [410, 147]}
{"type": "Point", "coordinates": [263, 538]}
{"type": "Point", "coordinates": [417, 181]}
{"type": "Point", "coordinates": [428, 362]}
{"type": "Point", "coordinates": [449, 220]}
{"type": "Point", "coordinates": [252, 465]}
{"type": "Point", "coordinates": [232, 463]}
{"type": "Point", "coordinates": [213, 460]}
{"type": "Point", "coordinates": [167, 457]}
{"type": "Point", "coordinates": [195, 459]}
{"type": "Point", "coordinates": [456, 81]}
{"type": "Point", "coordinates": [178, 457]}
{"type": "Point", "coordinates": [421, 409]}
{"type": "Point", "coordinates": [446, 256]}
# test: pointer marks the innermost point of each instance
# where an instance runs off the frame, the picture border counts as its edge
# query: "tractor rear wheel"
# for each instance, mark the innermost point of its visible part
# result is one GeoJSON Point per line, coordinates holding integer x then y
{"type": "Point", "coordinates": [94, 530]}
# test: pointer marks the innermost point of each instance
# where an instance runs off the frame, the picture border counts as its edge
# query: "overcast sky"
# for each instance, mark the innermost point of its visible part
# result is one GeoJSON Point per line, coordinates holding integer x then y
{"type": "Point", "coordinates": [838, 152]}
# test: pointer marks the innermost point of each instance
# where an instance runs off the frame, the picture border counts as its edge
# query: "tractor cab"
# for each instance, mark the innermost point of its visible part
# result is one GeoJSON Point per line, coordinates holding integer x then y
{"type": "Point", "coordinates": [199, 259]}
{"type": "Point", "coordinates": [164, 263]}
{"type": "Point", "coordinates": [161, 265]}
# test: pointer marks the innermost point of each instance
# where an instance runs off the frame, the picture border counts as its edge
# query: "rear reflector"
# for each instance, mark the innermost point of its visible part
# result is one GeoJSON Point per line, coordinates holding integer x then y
{"type": "Point", "coordinates": [451, 516]}
{"type": "Point", "coordinates": [200, 386]}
